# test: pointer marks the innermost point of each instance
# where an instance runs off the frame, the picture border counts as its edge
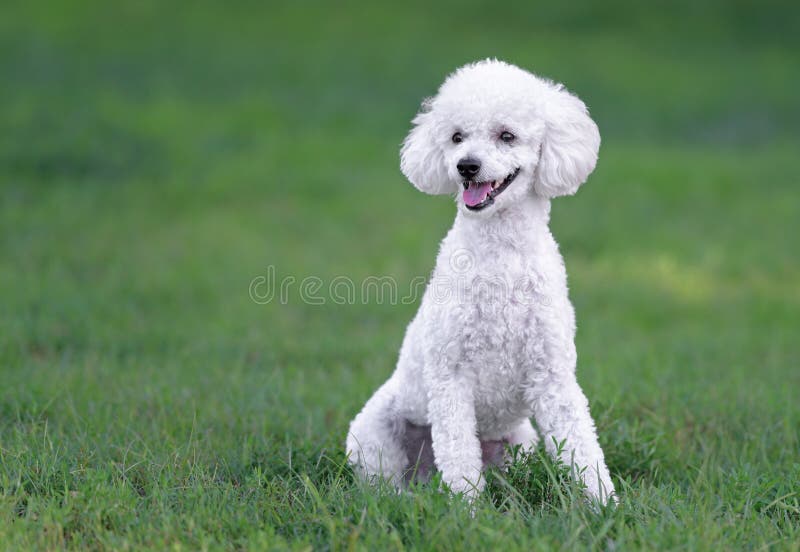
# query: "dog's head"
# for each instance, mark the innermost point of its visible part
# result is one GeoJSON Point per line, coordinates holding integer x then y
{"type": "Point", "coordinates": [495, 133]}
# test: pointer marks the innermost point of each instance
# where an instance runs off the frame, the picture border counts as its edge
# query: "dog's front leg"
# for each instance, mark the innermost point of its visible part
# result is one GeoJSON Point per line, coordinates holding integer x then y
{"type": "Point", "coordinates": [456, 447]}
{"type": "Point", "coordinates": [562, 414]}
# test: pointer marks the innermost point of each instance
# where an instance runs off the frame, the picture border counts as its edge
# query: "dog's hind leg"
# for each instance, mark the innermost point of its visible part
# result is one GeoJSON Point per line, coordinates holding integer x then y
{"type": "Point", "coordinates": [375, 440]}
{"type": "Point", "coordinates": [524, 435]}
{"type": "Point", "coordinates": [495, 453]}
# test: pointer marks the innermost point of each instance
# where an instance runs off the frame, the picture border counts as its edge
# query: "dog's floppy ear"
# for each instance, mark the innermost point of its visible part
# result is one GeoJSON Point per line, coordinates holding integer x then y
{"type": "Point", "coordinates": [569, 147]}
{"type": "Point", "coordinates": [421, 157]}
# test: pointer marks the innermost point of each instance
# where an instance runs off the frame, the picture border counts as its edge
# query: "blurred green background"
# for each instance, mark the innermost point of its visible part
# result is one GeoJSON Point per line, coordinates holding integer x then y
{"type": "Point", "coordinates": [155, 157]}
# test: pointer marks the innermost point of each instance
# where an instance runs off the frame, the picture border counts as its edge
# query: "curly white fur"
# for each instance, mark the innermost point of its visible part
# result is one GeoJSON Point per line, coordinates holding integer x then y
{"type": "Point", "coordinates": [493, 341]}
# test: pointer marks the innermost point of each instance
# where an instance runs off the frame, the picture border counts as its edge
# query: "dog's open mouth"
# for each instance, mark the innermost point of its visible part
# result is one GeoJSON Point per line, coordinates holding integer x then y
{"type": "Point", "coordinates": [478, 195]}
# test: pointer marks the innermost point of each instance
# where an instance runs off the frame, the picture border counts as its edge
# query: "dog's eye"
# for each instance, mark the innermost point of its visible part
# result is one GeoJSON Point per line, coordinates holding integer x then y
{"type": "Point", "coordinates": [507, 137]}
{"type": "Point", "coordinates": [457, 138]}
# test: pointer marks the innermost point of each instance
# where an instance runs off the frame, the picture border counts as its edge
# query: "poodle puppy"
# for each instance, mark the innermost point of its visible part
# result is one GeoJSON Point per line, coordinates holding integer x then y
{"type": "Point", "coordinates": [492, 344]}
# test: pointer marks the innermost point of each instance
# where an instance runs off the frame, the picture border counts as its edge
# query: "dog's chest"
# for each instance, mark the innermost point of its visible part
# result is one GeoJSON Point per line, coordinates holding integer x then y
{"type": "Point", "coordinates": [499, 330]}
{"type": "Point", "coordinates": [490, 309]}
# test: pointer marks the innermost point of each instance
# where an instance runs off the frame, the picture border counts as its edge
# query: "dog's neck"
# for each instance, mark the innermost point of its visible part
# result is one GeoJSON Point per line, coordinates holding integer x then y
{"type": "Point", "coordinates": [512, 226]}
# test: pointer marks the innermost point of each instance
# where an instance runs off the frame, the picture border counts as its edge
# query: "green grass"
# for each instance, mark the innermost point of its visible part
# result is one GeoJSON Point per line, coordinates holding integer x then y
{"type": "Point", "coordinates": [155, 158]}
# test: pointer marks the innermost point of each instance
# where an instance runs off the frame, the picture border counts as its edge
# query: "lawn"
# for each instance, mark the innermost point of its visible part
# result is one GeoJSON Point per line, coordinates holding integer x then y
{"type": "Point", "coordinates": [157, 157]}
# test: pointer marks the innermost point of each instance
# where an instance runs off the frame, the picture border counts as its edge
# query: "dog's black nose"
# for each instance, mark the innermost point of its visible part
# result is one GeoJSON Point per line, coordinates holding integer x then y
{"type": "Point", "coordinates": [468, 167]}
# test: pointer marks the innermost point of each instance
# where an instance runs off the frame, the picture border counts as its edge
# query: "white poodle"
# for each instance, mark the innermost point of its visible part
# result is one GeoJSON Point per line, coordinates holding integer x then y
{"type": "Point", "coordinates": [493, 341]}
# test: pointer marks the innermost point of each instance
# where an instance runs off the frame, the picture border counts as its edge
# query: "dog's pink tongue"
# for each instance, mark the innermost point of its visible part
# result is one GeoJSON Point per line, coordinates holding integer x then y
{"type": "Point", "coordinates": [476, 193]}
